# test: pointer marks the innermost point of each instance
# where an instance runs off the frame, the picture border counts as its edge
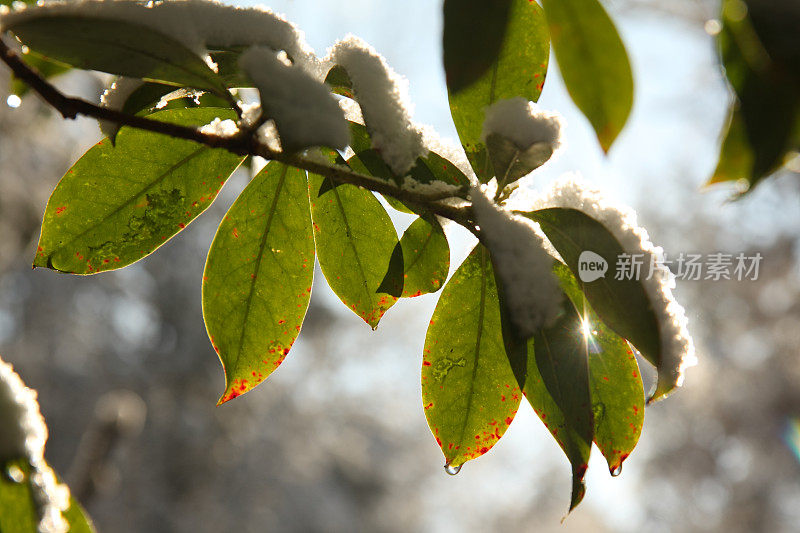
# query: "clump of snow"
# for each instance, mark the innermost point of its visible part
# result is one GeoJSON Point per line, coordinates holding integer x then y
{"type": "Point", "coordinates": [23, 434]}
{"type": "Point", "coordinates": [200, 25]}
{"type": "Point", "coordinates": [383, 97]}
{"type": "Point", "coordinates": [523, 123]}
{"type": "Point", "coordinates": [524, 266]}
{"type": "Point", "coordinates": [304, 110]}
{"type": "Point", "coordinates": [223, 128]}
{"type": "Point", "coordinates": [433, 188]}
{"type": "Point", "coordinates": [114, 97]}
{"type": "Point", "coordinates": [351, 109]}
{"type": "Point", "coordinates": [677, 346]}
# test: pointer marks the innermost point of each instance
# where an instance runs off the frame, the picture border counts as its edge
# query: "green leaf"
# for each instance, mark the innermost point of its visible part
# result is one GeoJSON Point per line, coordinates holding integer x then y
{"type": "Point", "coordinates": [519, 70]}
{"type": "Point", "coordinates": [472, 38]}
{"type": "Point", "coordinates": [622, 304]}
{"type": "Point", "coordinates": [615, 381]}
{"type": "Point", "coordinates": [765, 121]}
{"type": "Point", "coordinates": [258, 275]}
{"type": "Point", "coordinates": [46, 68]}
{"type": "Point", "coordinates": [557, 388]}
{"type": "Point", "coordinates": [119, 204]}
{"type": "Point", "coordinates": [340, 82]}
{"type": "Point", "coordinates": [227, 61]}
{"type": "Point", "coordinates": [593, 63]}
{"type": "Point", "coordinates": [469, 391]}
{"type": "Point", "coordinates": [17, 511]}
{"type": "Point", "coordinates": [426, 257]}
{"type": "Point", "coordinates": [117, 47]}
{"type": "Point", "coordinates": [357, 247]}
{"type": "Point", "coordinates": [510, 162]}
{"type": "Point", "coordinates": [736, 156]}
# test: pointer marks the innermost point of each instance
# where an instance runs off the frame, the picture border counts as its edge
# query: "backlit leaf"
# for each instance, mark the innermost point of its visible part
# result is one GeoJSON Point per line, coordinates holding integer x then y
{"type": "Point", "coordinates": [117, 47]}
{"type": "Point", "coordinates": [17, 511]}
{"type": "Point", "coordinates": [117, 204]}
{"type": "Point", "coordinates": [765, 120]}
{"type": "Point", "coordinates": [426, 257]}
{"type": "Point", "coordinates": [469, 391]}
{"type": "Point", "coordinates": [357, 247]}
{"type": "Point", "coordinates": [46, 68]}
{"type": "Point", "coordinates": [593, 63]}
{"type": "Point", "coordinates": [622, 304]}
{"type": "Point", "coordinates": [258, 275]}
{"type": "Point", "coordinates": [510, 162]}
{"type": "Point", "coordinates": [615, 381]}
{"type": "Point", "coordinates": [472, 38]}
{"type": "Point", "coordinates": [519, 70]}
{"type": "Point", "coordinates": [557, 388]}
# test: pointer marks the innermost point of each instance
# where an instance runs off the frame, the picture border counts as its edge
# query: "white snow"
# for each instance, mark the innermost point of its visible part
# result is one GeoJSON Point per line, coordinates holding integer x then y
{"type": "Point", "coordinates": [23, 434]}
{"type": "Point", "coordinates": [383, 97]}
{"type": "Point", "coordinates": [677, 346]}
{"type": "Point", "coordinates": [223, 128]}
{"type": "Point", "coordinates": [114, 97]}
{"type": "Point", "coordinates": [304, 110]}
{"type": "Point", "coordinates": [525, 268]}
{"type": "Point", "coordinates": [434, 188]}
{"type": "Point", "coordinates": [200, 25]}
{"type": "Point", "coordinates": [523, 123]}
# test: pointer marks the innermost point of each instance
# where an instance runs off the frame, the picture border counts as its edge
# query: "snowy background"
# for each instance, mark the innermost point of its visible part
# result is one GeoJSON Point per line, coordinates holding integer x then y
{"type": "Point", "coordinates": [336, 439]}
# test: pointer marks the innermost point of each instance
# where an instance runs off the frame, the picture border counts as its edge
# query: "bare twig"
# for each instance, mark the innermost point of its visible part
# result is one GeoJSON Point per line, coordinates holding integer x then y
{"type": "Point", "coordinates": [246, 143]}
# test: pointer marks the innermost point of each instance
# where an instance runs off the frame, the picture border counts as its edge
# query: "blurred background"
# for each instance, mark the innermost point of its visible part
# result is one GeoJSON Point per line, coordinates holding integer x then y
{"type": "Point", "coordinates": [336, 438]}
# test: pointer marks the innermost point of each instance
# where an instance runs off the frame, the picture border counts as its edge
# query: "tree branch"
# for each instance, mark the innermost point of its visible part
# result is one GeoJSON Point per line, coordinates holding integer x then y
{"type": "Point", "coordinates": [246, 143]}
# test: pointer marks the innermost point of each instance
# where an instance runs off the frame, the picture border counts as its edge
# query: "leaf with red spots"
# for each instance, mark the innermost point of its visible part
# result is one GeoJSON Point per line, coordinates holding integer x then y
{"type": "Point", "coordinates": [557, 388]}
{"type": "Point", "coordinates": [118, 204]}
{"type": "Point", "coordinates": [593, 63]}
{"type": "Point", "coordinates": [614, 379]}
{"type": "Point", "coordinates": [519, 70]}
{"type": "Point", "coordinates": [357, 247]}
{"type": "Point", "coordinates": [469, 391]}
{"type": "Point", "coordinates": [426, 257]}
{"type": "Point", "coordinates": [622, 304]}
{"type": "Point", "coordinates": [258, 275]}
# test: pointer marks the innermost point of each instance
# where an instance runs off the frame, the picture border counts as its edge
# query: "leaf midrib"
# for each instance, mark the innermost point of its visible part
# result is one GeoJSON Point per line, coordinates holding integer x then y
{"type": "Point", "coordinates": [261, 247]}
{"type": "Point", "coordinates": [479, 335]}
{"type": "Point", "coordinates": [340, 206]}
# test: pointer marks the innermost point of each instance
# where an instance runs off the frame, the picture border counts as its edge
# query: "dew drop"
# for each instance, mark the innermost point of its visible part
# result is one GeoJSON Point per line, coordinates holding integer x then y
{"type": "Point", "coordinates": [13, 101]}
{"type": "Point", "coordinates": [15, 474]}
{"type": "Point", "coordinates": [452, 470]}
{"type": "Point", "coordinates": [617, 470]}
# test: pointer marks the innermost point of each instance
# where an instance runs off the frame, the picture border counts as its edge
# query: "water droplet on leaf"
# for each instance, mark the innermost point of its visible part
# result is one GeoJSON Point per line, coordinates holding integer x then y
{"type": "Point", "coordinates": [452, 470]}
{"type": "Point", "coordinates": [617, 470]}
{"type": "Point", "coordinates": [15, 474]}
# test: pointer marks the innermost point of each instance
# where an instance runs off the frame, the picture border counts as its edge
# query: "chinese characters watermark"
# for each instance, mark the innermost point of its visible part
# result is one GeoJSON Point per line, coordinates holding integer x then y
{"type": "Point", "coordinates": [686, 266]}
{"type": "Point", "coordinates": [692, 267]}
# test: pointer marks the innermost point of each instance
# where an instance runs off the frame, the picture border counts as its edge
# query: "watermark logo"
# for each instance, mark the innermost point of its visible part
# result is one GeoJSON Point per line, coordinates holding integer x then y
{"type": "Point", "coordinates": [591, 266]}
{"type": "Point", "coordinates": [685, 266]}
